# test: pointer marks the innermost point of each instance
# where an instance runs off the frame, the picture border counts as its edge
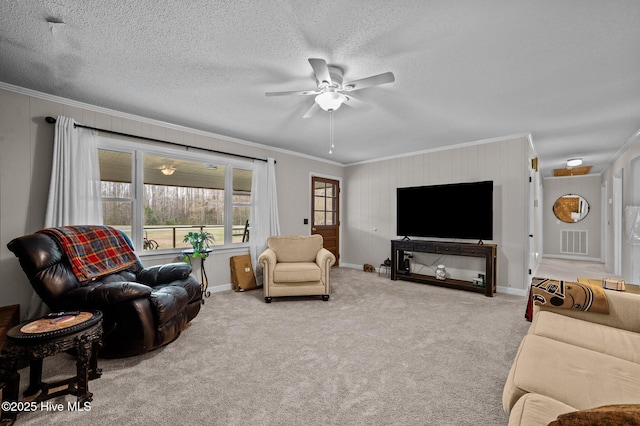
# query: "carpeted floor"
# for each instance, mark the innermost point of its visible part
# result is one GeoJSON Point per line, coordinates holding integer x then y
{"type": "Point", "coordinates": [570, 270]}
{"type": "Point", "coordinates": [378, 353]}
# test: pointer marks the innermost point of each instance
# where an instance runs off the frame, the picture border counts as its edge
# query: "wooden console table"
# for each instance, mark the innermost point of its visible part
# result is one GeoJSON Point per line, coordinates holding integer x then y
{"type": "Point", "coordinates": [487, 251]}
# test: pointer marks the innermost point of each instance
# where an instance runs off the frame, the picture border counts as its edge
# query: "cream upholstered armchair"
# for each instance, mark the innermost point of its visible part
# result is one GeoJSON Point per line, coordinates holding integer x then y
{"type": "Point", "coordinates": [296, 265]}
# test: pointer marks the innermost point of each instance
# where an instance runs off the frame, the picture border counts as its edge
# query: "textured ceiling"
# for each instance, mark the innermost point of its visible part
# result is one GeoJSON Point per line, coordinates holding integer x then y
{"type": "Point", "coordinates": [566, 71]}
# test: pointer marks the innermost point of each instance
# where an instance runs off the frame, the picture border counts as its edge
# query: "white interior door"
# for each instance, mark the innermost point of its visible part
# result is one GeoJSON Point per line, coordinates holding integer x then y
{"type": "Point", "coordinates": [635, 199]}
{"type": "Point", "coordinates": [617, 223]}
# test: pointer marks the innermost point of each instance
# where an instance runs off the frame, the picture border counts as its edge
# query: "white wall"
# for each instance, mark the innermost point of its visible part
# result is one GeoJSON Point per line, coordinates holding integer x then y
{"type": "Point", "coordinates": [368, 196]}
{"type": "Point", "coordinates": [621, 165]}
{"type": "Point", "coordinates": [588, 187]}
{"type": "Point", "coordinates": [369, 222]}
{"type": "Point", "coordinates": [26, 146]}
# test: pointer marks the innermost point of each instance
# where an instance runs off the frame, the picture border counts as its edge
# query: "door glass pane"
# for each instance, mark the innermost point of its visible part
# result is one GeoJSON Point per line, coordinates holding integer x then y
{"type": "Point", "coordinates": [329, 218]}
{"type": "Point", "coordinates": [319, 218]}
{"type": "Point", "coordinates": [329, 204]}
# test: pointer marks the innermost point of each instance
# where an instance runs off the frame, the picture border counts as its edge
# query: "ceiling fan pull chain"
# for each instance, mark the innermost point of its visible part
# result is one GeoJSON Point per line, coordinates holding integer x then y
{"type": "Point", "coordinates": [331, 146]}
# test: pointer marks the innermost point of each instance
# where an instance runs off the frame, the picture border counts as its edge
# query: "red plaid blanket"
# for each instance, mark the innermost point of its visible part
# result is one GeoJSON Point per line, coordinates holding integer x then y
{"type": "Point", "coordinates": [93, 251]}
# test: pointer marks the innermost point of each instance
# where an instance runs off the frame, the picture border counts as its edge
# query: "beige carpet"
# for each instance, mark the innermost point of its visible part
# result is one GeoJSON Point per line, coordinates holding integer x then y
{"type": "Point", "coordinates": [378, 353]}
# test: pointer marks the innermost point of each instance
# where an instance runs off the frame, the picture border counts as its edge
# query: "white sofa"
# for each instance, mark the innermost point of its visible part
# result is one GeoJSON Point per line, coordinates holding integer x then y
{"type": "Point", "coordinates": [571, 361]}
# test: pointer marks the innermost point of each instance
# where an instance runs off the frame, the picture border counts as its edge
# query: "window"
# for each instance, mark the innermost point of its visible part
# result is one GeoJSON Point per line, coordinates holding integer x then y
{"type": "Point", "coordinates": [325, 203]}
{"type": "Point", "coordinates": [157, 197]}
{"type": "Point", "coordinates": [117, 189]}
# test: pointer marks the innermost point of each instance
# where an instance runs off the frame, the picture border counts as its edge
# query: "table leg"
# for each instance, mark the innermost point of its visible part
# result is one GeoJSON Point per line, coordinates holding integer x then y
{"type": "Point", "coordinates": [94, 371]}
{"type": "Point", "coordinates": [205, 281]}
{"type": "Point", "coordinates": [10, 378]}
{"type": "Point", "coordinates": [85, 350]}
{"type": "Point", "coordinates": [35, 379]}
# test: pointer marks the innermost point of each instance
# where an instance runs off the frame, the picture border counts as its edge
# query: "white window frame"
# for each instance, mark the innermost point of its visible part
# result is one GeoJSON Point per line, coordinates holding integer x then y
{"type": "Point", "coordinates": [138, 150]}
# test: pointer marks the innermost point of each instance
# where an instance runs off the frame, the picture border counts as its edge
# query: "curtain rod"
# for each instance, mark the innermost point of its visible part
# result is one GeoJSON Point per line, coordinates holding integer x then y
{"type": "Point", "coordinates": [52, 120]}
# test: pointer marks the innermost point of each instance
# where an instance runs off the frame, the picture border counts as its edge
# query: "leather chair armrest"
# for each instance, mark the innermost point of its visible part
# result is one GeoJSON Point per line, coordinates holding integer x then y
{"type": "Point", "coordinates": [163, 274]}
{"type": "Point", "coordinates": [106, 294]}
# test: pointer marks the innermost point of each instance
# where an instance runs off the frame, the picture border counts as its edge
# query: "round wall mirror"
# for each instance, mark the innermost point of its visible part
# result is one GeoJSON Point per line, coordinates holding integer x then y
{"type": "Point", "coordinates": [571, 208]}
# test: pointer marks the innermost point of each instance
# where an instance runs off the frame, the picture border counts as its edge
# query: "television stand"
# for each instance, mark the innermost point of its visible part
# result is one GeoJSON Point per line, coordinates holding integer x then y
{"type": "Point", "coordinates": [487, 251]}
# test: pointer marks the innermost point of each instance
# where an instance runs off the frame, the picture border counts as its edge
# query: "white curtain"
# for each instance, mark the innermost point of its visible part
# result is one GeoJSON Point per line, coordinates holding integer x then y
{"type": "Point", "coordinates": [632, 221]}
{"type": "Point", "coordinates": [263, 220]}
{"type": "Point", "coordinates": [74, 190]}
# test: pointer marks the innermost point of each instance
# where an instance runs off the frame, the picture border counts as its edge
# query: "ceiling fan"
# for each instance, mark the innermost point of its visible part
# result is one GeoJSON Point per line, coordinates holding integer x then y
{"type": "Point", "coordinates": [332, 92]}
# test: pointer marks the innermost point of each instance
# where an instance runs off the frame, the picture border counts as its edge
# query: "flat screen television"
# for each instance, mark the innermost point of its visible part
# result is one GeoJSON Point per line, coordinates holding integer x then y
{"type": "Point", "coordinates": [459, 210]}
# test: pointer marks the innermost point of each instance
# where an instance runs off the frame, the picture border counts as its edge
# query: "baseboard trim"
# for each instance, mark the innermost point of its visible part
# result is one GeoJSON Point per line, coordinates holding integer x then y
{"type": "Point", "coordinates": [350, 265]}
{"type": "Point", "coordinates": [567, 257]}
{"type": "Point", "coordinates": [514, 291]}
{"type": "Point", "coordinates": [219, 288]}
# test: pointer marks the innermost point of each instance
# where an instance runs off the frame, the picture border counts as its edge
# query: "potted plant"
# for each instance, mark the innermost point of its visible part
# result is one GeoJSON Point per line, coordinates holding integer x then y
{"type": "Point", "coordinates": [200, 241]}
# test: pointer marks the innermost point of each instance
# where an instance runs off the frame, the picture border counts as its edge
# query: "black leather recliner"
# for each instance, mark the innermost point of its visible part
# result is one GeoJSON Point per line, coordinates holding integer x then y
{"type": "Point", "coordinates": [144, 308]}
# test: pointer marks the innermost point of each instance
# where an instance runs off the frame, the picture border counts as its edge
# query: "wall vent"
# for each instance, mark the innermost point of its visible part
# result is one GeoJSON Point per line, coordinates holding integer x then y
{"type": "Point", "coordinates": [573, 242]}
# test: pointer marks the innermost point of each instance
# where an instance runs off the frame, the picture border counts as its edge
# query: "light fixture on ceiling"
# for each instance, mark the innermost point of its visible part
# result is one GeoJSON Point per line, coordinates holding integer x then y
{"type": "Point", "coordinates": [330, 100]}
{"type": "Point", "coordinates": [574, 162]}
{"type": "Point", "coordinates": [167, 170]}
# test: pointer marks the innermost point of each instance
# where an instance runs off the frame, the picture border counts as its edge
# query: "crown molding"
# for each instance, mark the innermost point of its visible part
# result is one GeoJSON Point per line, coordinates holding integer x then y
{"type": "Point", "coordinates": [447, 148]}
{"type": "Point", "coordinates": [76, 104]}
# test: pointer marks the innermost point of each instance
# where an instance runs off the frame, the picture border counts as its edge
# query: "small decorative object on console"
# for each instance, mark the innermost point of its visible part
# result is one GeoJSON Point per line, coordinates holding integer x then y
{"type": "Point", "coordinates": [479, 281]}
{"type": "Point", "coordinates": [441, 272]}
{"type": "Point", "coordinates": [613, 284]}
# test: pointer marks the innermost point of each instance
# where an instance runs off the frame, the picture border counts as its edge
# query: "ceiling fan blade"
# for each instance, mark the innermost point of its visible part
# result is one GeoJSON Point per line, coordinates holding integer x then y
{"type": "Point", "coordinates": [314, 108]}
{"type": "Point", "coordinates": [294, 92]}
{"type": "Point", "coordinates": [321, 70]}
{"type": "Point", "coordinates": [356, 103]}
{"type": "Point", "coordinates": [374, 80]}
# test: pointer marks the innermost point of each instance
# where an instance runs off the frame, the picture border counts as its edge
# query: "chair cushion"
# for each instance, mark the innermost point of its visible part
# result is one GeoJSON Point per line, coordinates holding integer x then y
{"type": "Point", "coordinates": [296, 272]}
{"type": "Point", "coordinates": [597, 337]}
{"type": "Point", "coordinates": [569, 373]}
{"type": "Point", "coordinates": [295, 248]}
{"type": "Point", "coordinates": [533, 409]}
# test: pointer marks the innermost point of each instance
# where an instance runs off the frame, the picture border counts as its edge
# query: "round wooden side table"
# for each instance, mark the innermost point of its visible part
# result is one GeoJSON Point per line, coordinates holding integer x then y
{"type": "Point", "coordinates": [35, 340]}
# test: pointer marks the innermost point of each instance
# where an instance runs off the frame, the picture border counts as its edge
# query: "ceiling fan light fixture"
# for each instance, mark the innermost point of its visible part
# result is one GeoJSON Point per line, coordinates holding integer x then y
{"type": "Point", "coordinates": [574, 162]}
{"type": "Point", "coordinates": [330, 101]}
{"type": "Point", "coordinates": [167, 170]}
